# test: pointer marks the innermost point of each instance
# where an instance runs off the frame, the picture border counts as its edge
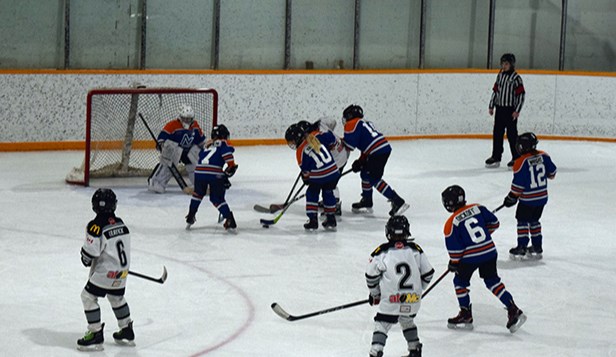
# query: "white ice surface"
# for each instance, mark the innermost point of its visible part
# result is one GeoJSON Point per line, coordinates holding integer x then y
{"type": "Point", "coordinates": [217, 298]}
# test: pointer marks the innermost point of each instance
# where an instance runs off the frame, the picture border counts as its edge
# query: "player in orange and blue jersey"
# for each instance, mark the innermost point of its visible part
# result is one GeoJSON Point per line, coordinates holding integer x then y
{"type": "Point", "coordinates": [375, 151]}
{"type": "Point", "coordinates": [209, 173]}
{"type": "Point", "coordinates": [468, 237]}
{"type": "Point", "coordinates": [530, 186]}
{"type": "Point", "coordinates": [319, 172]}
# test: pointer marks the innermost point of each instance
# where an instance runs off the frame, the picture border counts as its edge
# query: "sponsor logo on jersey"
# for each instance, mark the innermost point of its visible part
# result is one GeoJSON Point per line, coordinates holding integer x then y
{"type": "Point", "coordinates": [90, 240]}
{"type": "Point", "coordinates": [95, 228]}
{"type": "Point", "coordinates": [407, 298]}
{"type": "Point", "coordinates": [122, 274]}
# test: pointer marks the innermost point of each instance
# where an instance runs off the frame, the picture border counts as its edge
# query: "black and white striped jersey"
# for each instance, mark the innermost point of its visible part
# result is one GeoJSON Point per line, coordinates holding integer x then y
{"type": "Point", "coordinates": [508, 91]}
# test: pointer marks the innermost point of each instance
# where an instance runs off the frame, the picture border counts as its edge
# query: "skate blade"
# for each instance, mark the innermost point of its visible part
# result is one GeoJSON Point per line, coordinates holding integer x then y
{"type": "Point", "coordinates": [493, 166]}
{"type": "Point", "coordinates": [402, 209]}
{"type": "Point", "coordinates": [464, 326]}
{"type": "Point", "coordinates": [125, 342]}
{"type": "Point", "coordinates": [231, 230]}
{"type": "Point", "coordinates": [310, 230]}
{"type": "Point", "coordinates": [362, 210]}
{"type": "Point", "coordinates": [517, 325]}
{"type": "Point", "coordinates": [188, 225]}
{"type": "Point", "coordinates": [90, 348]}
{"type": "Point", "coordinates": [533, 256]}
{"type": "Point", "coordinates": [330, 229]}
{"type": "Point", "coordinates": [516, 257]}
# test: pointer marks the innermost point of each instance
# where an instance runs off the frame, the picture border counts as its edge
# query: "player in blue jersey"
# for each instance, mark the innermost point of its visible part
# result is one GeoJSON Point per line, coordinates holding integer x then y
{"type": "Point", "coordinates": [209, 173]}
{"type": "Point", "coordinates": [375, 151]}
{"type": "Point", "coordinates": [319, 172]}
{"type": "Point", "coordinates": [469, 243]}
{"type": "Point", "coordinates": [180, 140]}
{"type": "Point", "coordinates": [530, 186]}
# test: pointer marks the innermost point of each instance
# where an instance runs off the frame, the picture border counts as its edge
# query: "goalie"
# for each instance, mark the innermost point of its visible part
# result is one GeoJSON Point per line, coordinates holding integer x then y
{"type": "Point", "coordinates": [180, 140]}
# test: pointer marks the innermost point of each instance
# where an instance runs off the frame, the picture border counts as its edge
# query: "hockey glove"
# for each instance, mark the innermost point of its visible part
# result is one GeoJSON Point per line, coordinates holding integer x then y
{"type": "Point", "coordinates": [85, 259]}
{"type": "Point", "coordinates": [306, 178]}
{"type": "Point", "coordinates": [230, 170]}
{"type": "Point", "coordinates": [226, 183]}
{"type": "Point", "coordinates": [374, 300]}
{"type": "Point", "coordinates": [453, 267]}
{"type": "Point", "coordinates": [357, 165]}
{"type": "Point", "coordinates": [510, 200]}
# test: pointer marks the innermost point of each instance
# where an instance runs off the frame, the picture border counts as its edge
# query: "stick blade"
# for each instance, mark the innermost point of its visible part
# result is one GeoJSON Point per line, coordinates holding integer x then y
{"type": "Point", "coordinates": [280, 312]}
{"type": "Point", "coordinates": [267, 222]}
{"type": "Point", "coordinates": [261, 209]}
{"type": "Point", "coordinates": [273, 208]}
{"type": "Point", "coordinates": [163, 278]}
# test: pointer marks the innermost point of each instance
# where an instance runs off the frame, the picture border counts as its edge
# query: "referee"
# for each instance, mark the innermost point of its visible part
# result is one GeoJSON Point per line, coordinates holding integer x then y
{"type": "Point", "coordinates": [508, 98]}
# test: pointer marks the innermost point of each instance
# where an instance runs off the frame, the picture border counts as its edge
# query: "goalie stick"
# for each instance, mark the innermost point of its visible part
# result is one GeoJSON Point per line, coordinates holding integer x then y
{"type": "Point", "coordinates": [174, 170]}
{"type": "Point", "coordinates": [160, 280]}
{"type": "Point", "coordinates": [285, 315]}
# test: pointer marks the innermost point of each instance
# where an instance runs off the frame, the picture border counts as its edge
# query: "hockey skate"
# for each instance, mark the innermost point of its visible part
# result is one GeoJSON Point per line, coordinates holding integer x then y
{"type": "Point", "coordinates": [330, 223]}
{"type": "Point", "coordinates": [190, 220]}
{"type": "Point", "coordinates": [398, 206]}
{"type": "Point", "coordinates": [464, 320]}
{"type": "Point", "coordinates": [363, 206]}
{"type": "Point", "coordinates": [312, 224]}
{"type": "Point", "coordinates": [230, 225]}
{"type": "Point", "coordinates": [416, 352]}
{"type": "Point", "coordinates": [534, 253]}
{"type": "Point", "coordinates": [125, 336]}
{"type": "Point", "coordinates": [492, 163]}
{"type": "Point", "coordinates": [517, 253]}
{"type": "Point", "coordinates": [510, 164]}
{"type": "Point", "coordinates": [92, 341]}
{"type": "Point", "coordinates": [516, 318]}
{"type": "Point", "coordinates": [376, 354]}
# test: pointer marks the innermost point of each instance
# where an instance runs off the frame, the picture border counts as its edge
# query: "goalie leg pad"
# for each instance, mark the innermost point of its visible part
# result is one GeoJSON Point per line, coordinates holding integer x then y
{"type": "Point", "coordinates": [171, 153]}
{"type": "Point", "coordinates": [159, 178]}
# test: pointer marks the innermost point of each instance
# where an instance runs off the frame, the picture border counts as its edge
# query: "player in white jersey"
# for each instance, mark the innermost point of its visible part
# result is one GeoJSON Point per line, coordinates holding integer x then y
{"type": "Point", "coordinates": [339, 151]}
{"type": "Point", "coordinates": [107, 252]}
{"type": "Point", "coordinates": [398, 272]}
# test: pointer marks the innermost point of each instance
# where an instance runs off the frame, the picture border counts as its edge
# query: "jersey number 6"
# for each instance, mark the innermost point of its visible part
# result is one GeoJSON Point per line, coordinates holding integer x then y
{"type": "Point", "coordinates": [475, 232]}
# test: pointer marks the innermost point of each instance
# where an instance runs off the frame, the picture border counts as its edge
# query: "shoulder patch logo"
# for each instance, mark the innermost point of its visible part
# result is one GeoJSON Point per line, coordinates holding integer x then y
{"type": "Point", "coordinates": [95, 228]}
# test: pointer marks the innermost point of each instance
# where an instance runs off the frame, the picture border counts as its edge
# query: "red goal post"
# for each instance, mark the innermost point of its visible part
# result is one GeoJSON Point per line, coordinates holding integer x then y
{"type": "Point", "coordinates": [117, 142]}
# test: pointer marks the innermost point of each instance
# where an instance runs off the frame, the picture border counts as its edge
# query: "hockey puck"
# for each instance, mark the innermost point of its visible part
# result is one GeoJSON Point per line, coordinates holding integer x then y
{"type": "Point", "coordinates": [265, 226]}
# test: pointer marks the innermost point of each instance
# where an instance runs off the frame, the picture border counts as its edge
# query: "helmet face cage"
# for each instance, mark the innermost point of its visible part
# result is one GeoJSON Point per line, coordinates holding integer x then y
{"type": "Point", "coordinates": [104, 201]}
{"type": "Point", "coordinates": [351, 112]}
{"type": "Point", "coordinates": [398, 228]}
{"type": "Point", "coordinates": [187, 114]}
{"type": "Point", "coordinates": [220, 132]}
{"type": "Point", "coordinates": [526, 143]}
{"type": "Point", "coordinates": [453, 198]}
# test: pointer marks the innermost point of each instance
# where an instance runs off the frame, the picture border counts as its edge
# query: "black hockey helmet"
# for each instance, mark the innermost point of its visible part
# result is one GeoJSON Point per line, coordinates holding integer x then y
{"type": "Point", "coordinates": [526, 143]}
{"type": "Point", "coordinates": [305, 126]}
{"type": "Point", "coordinates": [398, 228]}
{"type": "Point", "coordinates": [104, 201]}
{"type": "Point", "coordinates": [220, 132]}
{"type": "Point", "coordinates": [351, 112]}
{"type": "Point", "coordinates": [508, 57]}
{"type": "Point", "coordinates": [294, 136]}
{"type": "Point", "coordinates": [453, 198]}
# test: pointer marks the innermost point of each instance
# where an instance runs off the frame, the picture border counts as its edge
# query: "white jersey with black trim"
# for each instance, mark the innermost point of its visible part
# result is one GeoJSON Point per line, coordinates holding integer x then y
{"type": "Point", "coordinates": [338, 150]}
{"type": "Point", "coordinates": [399, 271]}
{"type": "Point", "coordinates": [108, 245]}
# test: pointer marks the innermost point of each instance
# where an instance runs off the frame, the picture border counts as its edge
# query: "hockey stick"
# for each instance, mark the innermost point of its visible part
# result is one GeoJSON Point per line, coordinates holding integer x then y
{"type": "Point", "coordinates": [273, 208]}
{"type": "Point", "coordinates": [285, 315]}
{"type": "Point", "coordinates": [174, 170]}
{"type": "Point", "coordinates": [160, 280]}
{"type": "Point", "coordinates": [435, 283]}
{"type": "Point", "coordinates": [268, 222]}
{"type": "Point", "coordinates": [498, 208]}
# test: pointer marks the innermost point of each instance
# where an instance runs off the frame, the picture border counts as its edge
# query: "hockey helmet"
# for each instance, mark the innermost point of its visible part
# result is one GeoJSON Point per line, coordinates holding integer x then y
{"type": "Point", "coordinates": [187, 114]}
{"type": "Point", "coordinates": [398, 228]}
{"type": "Point", "coordinates": [104, 201]}
{"type": "Point", "coordinates": [351, 112]}
{"type": "Point", "coordinates": [220, 132]}
{"type": "Point", "coordinates": [294, 136]}
{"type": "Point", "coordinates": [453, 198]}
{"type": "Point", "coordinates": [508, 57]}
{"type": "Point", "coordinates": [305, 126]}
{"type": "Point", "coordinates": [526, 143]}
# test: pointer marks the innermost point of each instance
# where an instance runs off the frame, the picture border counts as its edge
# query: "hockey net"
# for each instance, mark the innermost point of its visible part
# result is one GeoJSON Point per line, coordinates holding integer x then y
{"type": "Point", "coordinates": [118, 143]}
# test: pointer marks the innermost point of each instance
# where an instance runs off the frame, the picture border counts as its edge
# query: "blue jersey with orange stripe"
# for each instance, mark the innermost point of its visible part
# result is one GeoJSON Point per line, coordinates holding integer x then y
{"type": "Point", "coordinates": [361, 134]}
{"type": "Point", "coordinates": [318, 165]}
{"type": "Point", "coordinates": [185, 138]}
{"type": "Point", "coordinates": [530, 174]}
{"type": "Point", "coordinates": [468, 235]}
{"type": "Point", "coordinates": [213, 158]}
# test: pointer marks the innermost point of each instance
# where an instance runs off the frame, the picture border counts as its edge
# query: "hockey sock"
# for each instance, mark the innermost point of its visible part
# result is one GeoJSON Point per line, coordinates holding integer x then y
{"type": "Point", "coordinates": [462, 290]}
{"type": "Point", "coordinates": [523, 231]}
{"type": "Point", "coordinates": [366, 190]}
{"type": "Point", "coordinates": [409, 330]}
{"type": "Point", "coordinates": [386, 190]}
{"type": "Point", "coordinates": [120, 309]}
{"type": "Point", "coordinates": [223, 208]}
{"type": "Point", "coordinates": [195, 201]}
{"type": "Point", "coordinates": [329, 202]}
{"type": "Point", "coordinates": [535, 234]}
{"type": "Point", "coordinates": [379, 336]}
{"type": "Point", "coordinates": [312, 200]}
{"type": "Point", "coordinates": [498, 289]}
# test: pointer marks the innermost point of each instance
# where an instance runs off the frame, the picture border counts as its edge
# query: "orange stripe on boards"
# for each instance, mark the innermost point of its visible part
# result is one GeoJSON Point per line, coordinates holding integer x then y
{"type": "Point", "coordinates": [80, 145]}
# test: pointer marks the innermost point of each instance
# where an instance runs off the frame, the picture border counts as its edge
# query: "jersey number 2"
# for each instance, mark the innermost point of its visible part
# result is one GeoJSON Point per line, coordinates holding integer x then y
{"type": "Point", "coordinates": [405, 270]}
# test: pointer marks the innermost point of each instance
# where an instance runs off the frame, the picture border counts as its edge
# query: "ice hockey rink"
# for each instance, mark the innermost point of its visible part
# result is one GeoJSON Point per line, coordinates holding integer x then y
{"type": "Point", "coordinates": [217, 298]}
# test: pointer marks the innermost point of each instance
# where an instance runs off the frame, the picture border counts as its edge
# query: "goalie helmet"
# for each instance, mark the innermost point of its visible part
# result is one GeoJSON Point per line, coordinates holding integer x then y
{"type": "Point", "coordinates": [526, 143]}
{"type": "Point", "coordinates": [453, 198]}
{"type": "Point", "coordinates": [220, 132]}
{"type": "Point", "coordinates": [398, 228]}
{"type": "Point", "coordinates": [294, 136]}
{"type": "Point", "coordinates": [508, 57]}
{"type": "Point", "coordinates": [104, 201]}
{"type": "Point", "coordinates": [351, 112]}
{"type": "Point", "coordinates": [187, 115]}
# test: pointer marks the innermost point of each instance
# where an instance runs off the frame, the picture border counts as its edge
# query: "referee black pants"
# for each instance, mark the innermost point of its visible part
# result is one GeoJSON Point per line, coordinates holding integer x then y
{"type": "Point", "coordinates": [503, 120]}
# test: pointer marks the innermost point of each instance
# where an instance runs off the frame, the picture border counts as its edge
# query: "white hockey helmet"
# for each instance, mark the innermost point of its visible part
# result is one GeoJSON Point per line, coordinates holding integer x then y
{"type": "Point", "coordinates": [187, 114]}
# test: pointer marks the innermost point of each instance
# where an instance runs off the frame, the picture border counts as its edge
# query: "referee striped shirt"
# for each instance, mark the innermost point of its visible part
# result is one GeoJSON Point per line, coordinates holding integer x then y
{"type": "Point", "coordinates": [508, 91]}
